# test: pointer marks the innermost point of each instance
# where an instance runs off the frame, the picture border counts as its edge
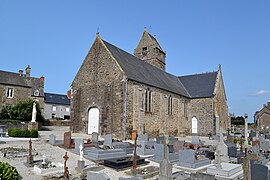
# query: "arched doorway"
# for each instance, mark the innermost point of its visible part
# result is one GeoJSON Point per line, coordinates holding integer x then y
{"type": "Point", "coordinates": [93, 120]}
{"type": "Point", "coordinates": [194, 125]}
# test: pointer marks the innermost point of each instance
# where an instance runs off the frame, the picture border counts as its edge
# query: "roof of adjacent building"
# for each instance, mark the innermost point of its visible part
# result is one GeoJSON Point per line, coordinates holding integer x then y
{"type": "Point", "coordinates": [140, 71]}
{"type": "Point", "coordinates": [200, 85]}
{"type": "Point", "coordinates": [191, 86]}
{"type": "Point", "coordinates": [51, 98]}
{"type": "Point", "coordinates": [15, 79]}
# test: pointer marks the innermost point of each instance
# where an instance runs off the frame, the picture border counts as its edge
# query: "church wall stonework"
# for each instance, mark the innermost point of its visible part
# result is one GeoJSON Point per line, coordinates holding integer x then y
{"type": "Point", "coordinates": [220, 97]}
{"type": "Point", "coordinates": [98, 84]}
{"type": "Point", "coordinates": [158, 121]}
{"type": "Point", "coordinates": [202, 109]}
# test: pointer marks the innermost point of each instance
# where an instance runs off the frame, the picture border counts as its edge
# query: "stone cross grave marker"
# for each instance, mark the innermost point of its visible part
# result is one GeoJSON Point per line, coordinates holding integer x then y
{"type": "Point", "coordinates": [30, 156]}
{"type": "Point", "coordinates": [165, 171]}
{"type": "Point", "coordinates": [66, 172]}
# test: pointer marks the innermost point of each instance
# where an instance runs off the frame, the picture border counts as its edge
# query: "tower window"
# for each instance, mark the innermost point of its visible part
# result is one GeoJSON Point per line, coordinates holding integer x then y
{"type": "Point", "coordinates": [144, 49]}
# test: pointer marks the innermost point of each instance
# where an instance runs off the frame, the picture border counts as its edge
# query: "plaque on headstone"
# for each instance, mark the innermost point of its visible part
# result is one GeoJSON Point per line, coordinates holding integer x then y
{"type": "Point", "coordinates": [95, 138]}
{"type": "Point", "coordinates": [108, 140]}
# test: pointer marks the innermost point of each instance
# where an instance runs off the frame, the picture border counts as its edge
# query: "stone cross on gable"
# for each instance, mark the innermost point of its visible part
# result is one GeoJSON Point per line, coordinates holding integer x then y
{"type": "Point", "coordinates": [65, 166]}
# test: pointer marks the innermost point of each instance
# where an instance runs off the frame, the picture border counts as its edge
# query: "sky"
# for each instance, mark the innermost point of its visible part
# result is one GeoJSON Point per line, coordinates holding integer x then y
{"type": "Point", "coordinates": [53, 37]}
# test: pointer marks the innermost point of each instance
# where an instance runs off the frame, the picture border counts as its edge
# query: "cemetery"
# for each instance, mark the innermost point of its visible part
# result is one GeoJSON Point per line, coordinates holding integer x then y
{"type": "Point", "coordinates": [63, 154]}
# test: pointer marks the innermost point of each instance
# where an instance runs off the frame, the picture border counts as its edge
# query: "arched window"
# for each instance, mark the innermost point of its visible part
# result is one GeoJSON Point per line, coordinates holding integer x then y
{"type": "Point", "coordinates": [194, 125]}
{"type": "Point", "coordinates": [170, 105]}
{"type": "Point", "coordinates": [148, 99]}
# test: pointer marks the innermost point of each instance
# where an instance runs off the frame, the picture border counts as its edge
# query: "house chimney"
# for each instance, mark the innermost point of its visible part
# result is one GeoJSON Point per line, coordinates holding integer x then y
{"type": "Point", "coordinates": [69, 94]}
{"type": "Point", "coordinates": [20, 72]}
{"type": "Point", "coordinates": [27, 71]}
{"type": "Point", "coordinates": [41, 82]}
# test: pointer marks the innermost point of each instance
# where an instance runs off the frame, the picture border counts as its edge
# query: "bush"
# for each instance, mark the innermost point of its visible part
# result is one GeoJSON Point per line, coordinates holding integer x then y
{"type": "Point", "coordinates": [8, 172]}
{"type": "Point", "coordinates": [5, 112]}
{"type": "Point", "coordinates": [22, 133]}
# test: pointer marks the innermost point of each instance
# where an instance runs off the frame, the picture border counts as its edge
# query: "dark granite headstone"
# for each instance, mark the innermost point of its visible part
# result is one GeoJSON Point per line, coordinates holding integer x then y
{"type": "Point", "coordinates": [67, 139]}
{"type": "Point", "coordinates": [258, 171]}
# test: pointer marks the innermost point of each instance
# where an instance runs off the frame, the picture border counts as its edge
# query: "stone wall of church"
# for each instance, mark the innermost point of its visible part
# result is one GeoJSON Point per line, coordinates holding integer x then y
{"type": "Point", "coordinates": [98, 83]}
{"type": "Point", "coordinates": [157, 121]}
{"type": "Point", "coordinates": [264, 121]}
{"type": "Point", "coordinates": [220, 97]}
{"type": "Point", "coordinates": [202, 109]}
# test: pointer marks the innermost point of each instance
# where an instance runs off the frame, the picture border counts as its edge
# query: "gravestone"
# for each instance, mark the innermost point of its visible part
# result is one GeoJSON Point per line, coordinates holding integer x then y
{"type": "Point", "coordinates": [255, 142]}
{"type": "Point", "coordinates": [3, 130]}
{"type": "Point", "coordinates": [258, 171]}
{"type": "Point", "coordinates": [97, 176]}
{"type": "Point", "coordinates": [95, 138]}
{"type": "Point", "coordinates": [131, 178]}
{"type": "Point", "coordinates": [52, 139]}
{"type": "Point", "coordinates": [178, 145]}
{"type": "Point", "coordinates": [143, 137]}
{"type": "Point", "coordinates": [188, 158]}
{"type": "Point", "coordinates": [67, 139]}
{"type": "Point", "coordinates": [145, 147]}
{"type": "Point", "coordinates": [78, 142]}
{"type": "Point", "coordinates": [223, 148]}
{"type": "Point", "coordinates": [95, 154]}
{"type": "Point", "coordinates": [127, 147]}
{"type": "Point", "coordinates": [264, 145]}
{"type": "Point", "coordinates": [159, 154]}
{"type": "Point", "coordinates": [165, 167]}
{"type": "Point", "coordinates": [108, 140]}
{"type": "Point", "coordinates": [201, 176]}
{"type": "Point", "coordinates": [196, 140]}
{"type": "Point", "coordinates": [232, 151]}
{"type": "Point", "coordinates": [252, 134]}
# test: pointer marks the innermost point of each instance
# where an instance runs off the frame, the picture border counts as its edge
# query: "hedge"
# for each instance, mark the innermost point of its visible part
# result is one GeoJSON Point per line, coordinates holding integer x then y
{"type": "Point", "coordinates": [22, 133]}
{"type": "Point", "coordinates": [8, 172]}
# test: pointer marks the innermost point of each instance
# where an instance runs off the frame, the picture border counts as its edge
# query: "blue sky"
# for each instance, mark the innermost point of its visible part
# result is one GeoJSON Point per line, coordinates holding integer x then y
{"type": "Point", "coordinates": [53, 37]}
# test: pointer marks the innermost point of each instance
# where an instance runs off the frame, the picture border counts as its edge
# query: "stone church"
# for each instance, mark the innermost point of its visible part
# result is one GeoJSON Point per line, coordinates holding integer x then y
{"type": "Point", "coordinates": [262, 117]}
{"type": "Point", "coordinates": [117, 92]}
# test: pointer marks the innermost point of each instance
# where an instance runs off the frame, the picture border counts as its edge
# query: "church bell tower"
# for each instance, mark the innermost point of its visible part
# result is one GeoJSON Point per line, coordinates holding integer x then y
{"type": "Point", "coordinates": [150, 51]}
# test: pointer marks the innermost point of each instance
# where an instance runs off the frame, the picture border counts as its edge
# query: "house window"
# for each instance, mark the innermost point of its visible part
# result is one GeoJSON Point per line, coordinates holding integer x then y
{"type": "Point", "coordinates": [54, 108]}
{"type": "Point", "coordinates": [53, 116]}
{"type": "Point", "coordinates": [10, 92]}
{"type": "Point", "coordinates": [36, 93]}
{"type": "Point", "coordinates": [170, 105]}
{"type": "Point", "coordinates": [148, 99]}
{"type": "Point", "coordinates": [67, 109]}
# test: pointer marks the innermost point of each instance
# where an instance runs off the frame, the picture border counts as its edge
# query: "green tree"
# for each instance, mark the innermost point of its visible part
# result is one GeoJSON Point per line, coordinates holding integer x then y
{"type": "Point", "coordinates": [23, 111]}
{"type": "Point", "coordinates": [5, 112]}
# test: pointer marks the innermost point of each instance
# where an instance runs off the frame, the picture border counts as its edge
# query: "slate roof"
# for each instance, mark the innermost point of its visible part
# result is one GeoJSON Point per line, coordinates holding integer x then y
{"type": "Point", "coordinates": [51, 98]}
{"type": "Point", "coordinates": [11, 78]}
{"type": "Point", "coordinates": [200, 85]}
{"type": "Point", "coordinates": [140, 71]}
